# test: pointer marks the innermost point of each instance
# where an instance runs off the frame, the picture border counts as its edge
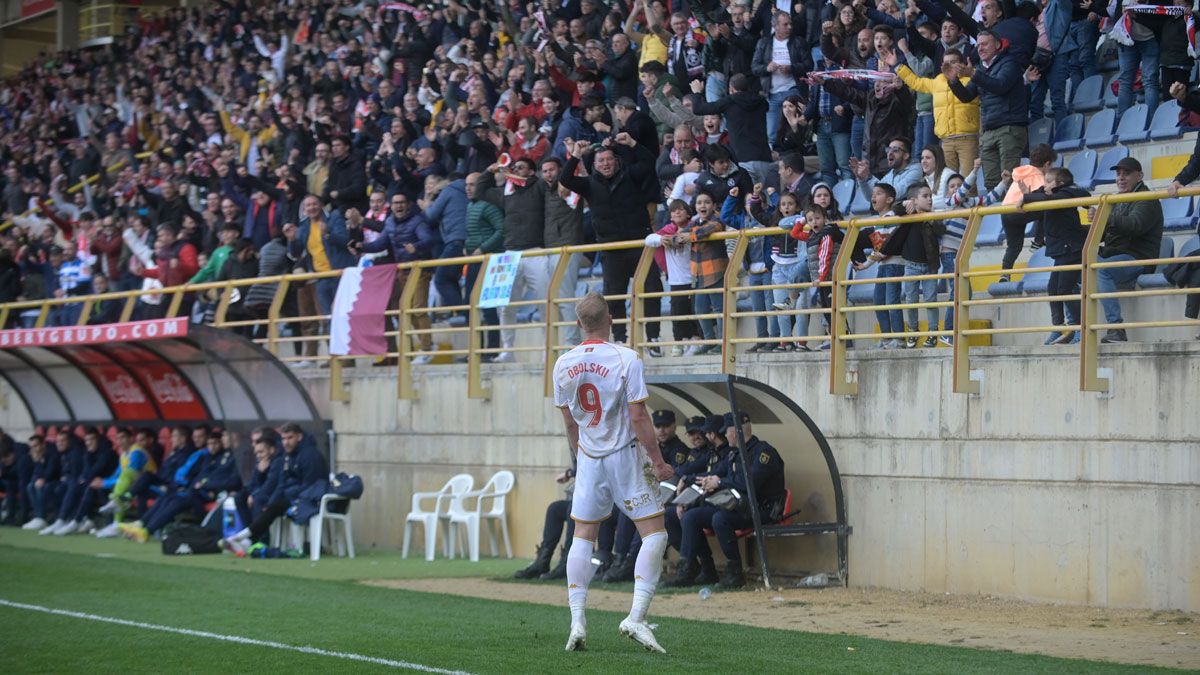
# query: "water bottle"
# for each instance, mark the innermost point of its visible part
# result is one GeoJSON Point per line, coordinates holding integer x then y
{"type": "Point", "coordinates": [815, 581]}
{"type": "Point", "coordinates": [231, 523]}
{"type": "Point", "coordinates": [705, 593]}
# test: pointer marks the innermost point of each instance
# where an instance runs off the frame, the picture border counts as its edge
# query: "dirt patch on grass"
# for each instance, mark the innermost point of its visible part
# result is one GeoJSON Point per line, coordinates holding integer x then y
{"type": "Point", "coordinates": [1140, 637]}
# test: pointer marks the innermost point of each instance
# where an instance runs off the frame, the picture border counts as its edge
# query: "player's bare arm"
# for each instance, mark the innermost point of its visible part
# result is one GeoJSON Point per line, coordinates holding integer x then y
{"type": "Point", "coordinates": [643, 428]}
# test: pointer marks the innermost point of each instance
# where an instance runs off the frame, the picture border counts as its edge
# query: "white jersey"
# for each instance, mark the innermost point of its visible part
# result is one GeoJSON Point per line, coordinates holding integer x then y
{"type": "Point", "coordinates": [597, 381]}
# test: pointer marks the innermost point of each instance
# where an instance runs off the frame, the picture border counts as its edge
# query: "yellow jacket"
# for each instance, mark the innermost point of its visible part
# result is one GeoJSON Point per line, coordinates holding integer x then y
{"type": "Point", "coordinates": [242, 136]}
{"type": "Point", "coordinates": [951, 117]}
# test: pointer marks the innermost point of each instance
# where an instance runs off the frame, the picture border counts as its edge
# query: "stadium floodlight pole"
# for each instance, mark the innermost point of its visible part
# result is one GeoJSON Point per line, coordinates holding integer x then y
{"type": "Point", "coordinates": [751, 494]}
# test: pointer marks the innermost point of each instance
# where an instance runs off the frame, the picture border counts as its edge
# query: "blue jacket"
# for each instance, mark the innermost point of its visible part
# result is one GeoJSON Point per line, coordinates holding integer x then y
{"type": "Point", "coordinates": [71, 462]}
{"type": "Point", "coordinates": [335, 240]}
{"type": "Point", "coordinates": [264, 483]}
{"type": "Point", "coordinates": [171, 465]}
{"type": "Point", "coordinates": [1003, 96]}
{"type": "Point", "coordinates": [50, 468]}
{"type": "Point", "coordinates": [575, 128]}
{"type": "Point", "coordinates": [218, 474]}
{"type": "Point", "coordinates": [1056, 18]}
{"type": "Point", "coordinates": [449, 212]}
{"type": "Point", "coordinates": [99, 464]}
{"type": "Point", "coordinates": [191, 468]}
{"type": "Point", "coordinates": [414, 230]}
{"type": "Point", "coordinates": [301, 468]}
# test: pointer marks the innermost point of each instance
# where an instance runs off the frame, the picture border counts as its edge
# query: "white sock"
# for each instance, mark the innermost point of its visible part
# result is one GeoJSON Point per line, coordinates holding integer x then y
{"type": "Point", "coordinates": [645, 574]}
{"type": "Point", "coordinates": [243, 534]}
{"type": "Point", "coordinates": [579, 575]}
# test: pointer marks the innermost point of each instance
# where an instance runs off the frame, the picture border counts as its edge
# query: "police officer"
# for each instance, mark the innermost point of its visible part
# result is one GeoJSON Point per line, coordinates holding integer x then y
{"type": "Point", "coordinates": [702, 456]}
{"type": "Point", "coordinates": [696, 564]}
{"type": "Point", "coordinates": [627, 543]}
{"type": "Point", "coordinates": [766, 470]}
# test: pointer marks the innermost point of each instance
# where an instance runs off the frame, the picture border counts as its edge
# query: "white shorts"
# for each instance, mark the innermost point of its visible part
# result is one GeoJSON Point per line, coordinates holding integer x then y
{"type": "Point", "coordinates": [624, 478]}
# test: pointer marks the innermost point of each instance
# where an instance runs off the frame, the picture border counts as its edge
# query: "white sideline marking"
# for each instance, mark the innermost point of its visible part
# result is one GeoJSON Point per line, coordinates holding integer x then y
{"type": "Point", "coordinates": [232, 638]}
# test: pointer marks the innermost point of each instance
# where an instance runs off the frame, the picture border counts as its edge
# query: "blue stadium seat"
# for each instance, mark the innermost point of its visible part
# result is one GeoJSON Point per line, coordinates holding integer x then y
{"type": "Point", "coordinates": [843, 193]}
{"type": "Point", "coordinates": [1110, 98]}
{"type": "Point", "coordinates": [991, 231]}
{"type": "Point", "coordinates": [1132, 127]}
{"type": "Point", "coordinates": [1004, 289]}
{"type": "Point", "coordinates": [1177, 214]}
{"type": "Point", "coordinates": [861, 203]}
{"type": "Point", "coordinates": [1036, 283]}
{"type": "Point", "coordinates": [817, 57]}
{"type": "Point", "coordinates": [1083, 166]}
{"type": "Point", "coordinates": [1100, 129]}
{"type": "Point", "coordinates": [1157, 279]}
{"type": "Point", "coordinates": [1166, 121]}
{"type": "Point", "coordinates": [1089, 97]}
{"type": "Point", "coordinates": [1069, 134]}
{"type": "Point", "coordinates": [1040, 130]}
{"type": "Point", "coordinates": [863, 294]}
{"type": "Point", "coordinates": [1104, 167]}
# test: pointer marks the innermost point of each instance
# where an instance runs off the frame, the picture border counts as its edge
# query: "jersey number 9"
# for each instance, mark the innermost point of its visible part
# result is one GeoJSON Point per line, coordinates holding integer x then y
{"type": "Point", "coordinates": [589, 400]}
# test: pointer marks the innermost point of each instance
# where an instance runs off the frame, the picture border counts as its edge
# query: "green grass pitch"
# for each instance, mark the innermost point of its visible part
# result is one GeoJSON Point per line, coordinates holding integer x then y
{"type": "Point", "coordinates": [301, 604]}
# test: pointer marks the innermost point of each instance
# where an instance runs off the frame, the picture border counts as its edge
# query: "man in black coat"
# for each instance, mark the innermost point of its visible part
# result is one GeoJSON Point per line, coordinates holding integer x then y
{"type": "Point", "coordinates": [346, 187]}
{"type": "Point", "coordinates": [782, 60]}
{"type": "Point", "coordinates": [616, 193]}
{"type": "Point", "coordinates": [636, 123]}
{"type": "Point", "coordinates": [745, 115]}
{"type": "Point", "coordinates": [621, 70]}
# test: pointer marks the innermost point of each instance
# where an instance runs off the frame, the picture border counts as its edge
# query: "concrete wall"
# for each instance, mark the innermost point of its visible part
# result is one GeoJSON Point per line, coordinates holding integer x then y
{"type": "Point", "coordinates": [1032, 490]}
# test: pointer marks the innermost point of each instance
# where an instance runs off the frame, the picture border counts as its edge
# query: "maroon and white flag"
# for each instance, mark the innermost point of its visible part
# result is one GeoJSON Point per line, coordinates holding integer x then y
{"type": "Point", "coordinates": [357, 324]}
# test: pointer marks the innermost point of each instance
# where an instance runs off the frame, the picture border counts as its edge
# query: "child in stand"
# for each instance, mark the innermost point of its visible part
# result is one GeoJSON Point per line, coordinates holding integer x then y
{"type": "Point", "coordinates": [918, 244]}
{"type": "Point", "coordinates": [824, 238]}
{"type": "Point", "coordinates": [757, 263]}
{"type": "Point", "coordinates": [790, 268]}
{"type": "Point", "coordinates": [676, 259]}
{"type": "Point", "coordinates": [1064, 236]}
{"type": "Point", "coordinates": [709, 262]}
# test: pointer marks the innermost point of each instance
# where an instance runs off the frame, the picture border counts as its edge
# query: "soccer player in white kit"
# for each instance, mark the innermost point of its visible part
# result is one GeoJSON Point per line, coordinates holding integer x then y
{"type": "Point", "coordinates": [600, 388]}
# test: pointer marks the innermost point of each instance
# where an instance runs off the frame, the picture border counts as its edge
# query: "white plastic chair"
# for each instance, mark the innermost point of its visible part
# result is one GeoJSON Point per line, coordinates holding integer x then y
{"type": "Point", "coordinates": [496, 489]}
{"type": "Point", "coordinates": [458, 485]}
{"type": "Point", "coordinates": [342, 543]}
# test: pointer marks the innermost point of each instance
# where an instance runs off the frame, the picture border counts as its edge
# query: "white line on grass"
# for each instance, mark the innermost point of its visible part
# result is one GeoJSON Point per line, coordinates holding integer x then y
{"type": "Point", "coordinates": [232, 638]}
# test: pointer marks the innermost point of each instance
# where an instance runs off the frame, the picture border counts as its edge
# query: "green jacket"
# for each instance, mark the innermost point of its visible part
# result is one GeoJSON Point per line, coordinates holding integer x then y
{"type": "Point", "coordinates": [215, 262]}
{"type": "Point", "coordinates": [1135, 228]}
{"type": "Point", "coordinates": [485, 227]}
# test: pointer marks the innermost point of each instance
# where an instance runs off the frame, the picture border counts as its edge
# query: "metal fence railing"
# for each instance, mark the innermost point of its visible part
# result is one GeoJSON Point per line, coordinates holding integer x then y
{"type": "Point", "coordinates": [407, 336]}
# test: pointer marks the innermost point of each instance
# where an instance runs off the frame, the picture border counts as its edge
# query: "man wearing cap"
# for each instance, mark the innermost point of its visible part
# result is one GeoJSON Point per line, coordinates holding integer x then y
{"type": "Point", "coordinates": [1134, 232]}
{"type": "Point", "coordinates": [766, 470]}
{"type": "Point", "coordinates": [708, 452]}
{"type": "Point", "coordinates": [625, 546]}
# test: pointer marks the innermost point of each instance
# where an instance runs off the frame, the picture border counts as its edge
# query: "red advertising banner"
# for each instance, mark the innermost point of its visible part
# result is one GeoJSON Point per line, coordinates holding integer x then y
{"type": "Point", "coordinates": [171, 391]}
{"type": "Point", "coordinates": [91, 335]}
{"type": "Point", "coordinates": [34, 7]}
{"type": "Point", "coordinates": [124, 395]}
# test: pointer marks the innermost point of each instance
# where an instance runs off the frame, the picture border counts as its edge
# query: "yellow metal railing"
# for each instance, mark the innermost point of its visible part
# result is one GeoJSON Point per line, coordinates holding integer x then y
{"type": "Point", "coordinates": [837, 315]}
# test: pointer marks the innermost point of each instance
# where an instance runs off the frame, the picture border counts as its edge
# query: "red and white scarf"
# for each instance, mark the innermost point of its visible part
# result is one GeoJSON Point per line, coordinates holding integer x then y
{"type": "Point", "coordinates": [849, 74]}
{"type": "Point", "coordinates": [1121, 29]}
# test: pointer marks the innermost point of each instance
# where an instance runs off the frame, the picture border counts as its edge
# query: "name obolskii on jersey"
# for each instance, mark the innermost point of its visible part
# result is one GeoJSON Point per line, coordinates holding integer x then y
{"type": "Point", "coordinates": [587, 367]}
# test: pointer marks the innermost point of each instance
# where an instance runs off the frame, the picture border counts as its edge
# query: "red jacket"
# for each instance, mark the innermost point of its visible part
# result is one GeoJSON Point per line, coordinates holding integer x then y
{"type": "Point", "coordinates": [109, 250]}
{"type": "Point", "coordinates": [178, 275]}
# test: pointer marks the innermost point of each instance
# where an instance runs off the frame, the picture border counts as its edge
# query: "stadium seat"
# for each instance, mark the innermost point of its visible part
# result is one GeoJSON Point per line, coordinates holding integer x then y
{"type": "Point", "coordinates": [1036, 283]}
{"type": "Point", "coordinates": [1089, 97]}
{"type": "Point", "coordinates": [843, 192]}
{"type": "Point", "coordinates": [341, 541]}
{"type": "Point", "coordinates": [863, 294]}
{"type": "Point", "coordinates": [1166, 121]}
{"type": "Point", "coordinates": [1177, 213]}
{"type": "Point", "coordinates": [991, 231]}
{"type": "Point", "coordinates": [458, 485]}
{"type": "Point", "coordinates": [1132, 126]}
{"type": "Point", "coordinates": [1104, 167]}
{"type": "Point", "coordinates": [496, 489]}
{"type": "Point", "coordinates": [1100, 129]}
{"type": "Point", "coordinates": [1110, 97]}
{"type": "Point", "coordinates": [1040, 130]}
{"type": "Point", "coordinates": [817, 56]}
{"type": "Point", "coordinates": [1157, 279]}
{"type": "Point", "coordinates": [1083, 166]}
{"type": "Point", "coordinates": [861, 203]}
{"type": "Point", "coordinates": [1003, 289]}
{"type": "Point", "coordinates": [1069, 134]}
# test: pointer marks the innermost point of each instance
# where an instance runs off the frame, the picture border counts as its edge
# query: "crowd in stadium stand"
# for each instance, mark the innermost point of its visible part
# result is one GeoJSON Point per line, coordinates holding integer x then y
{"type": "Point", "coordinates": [235, 141]}
{"type": "Point", "coordinates": [121, 481]}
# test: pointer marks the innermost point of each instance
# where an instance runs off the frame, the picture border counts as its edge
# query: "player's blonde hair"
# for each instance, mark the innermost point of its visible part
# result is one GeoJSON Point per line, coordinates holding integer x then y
{"type": "Point", "coordinates": [592, 311]}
